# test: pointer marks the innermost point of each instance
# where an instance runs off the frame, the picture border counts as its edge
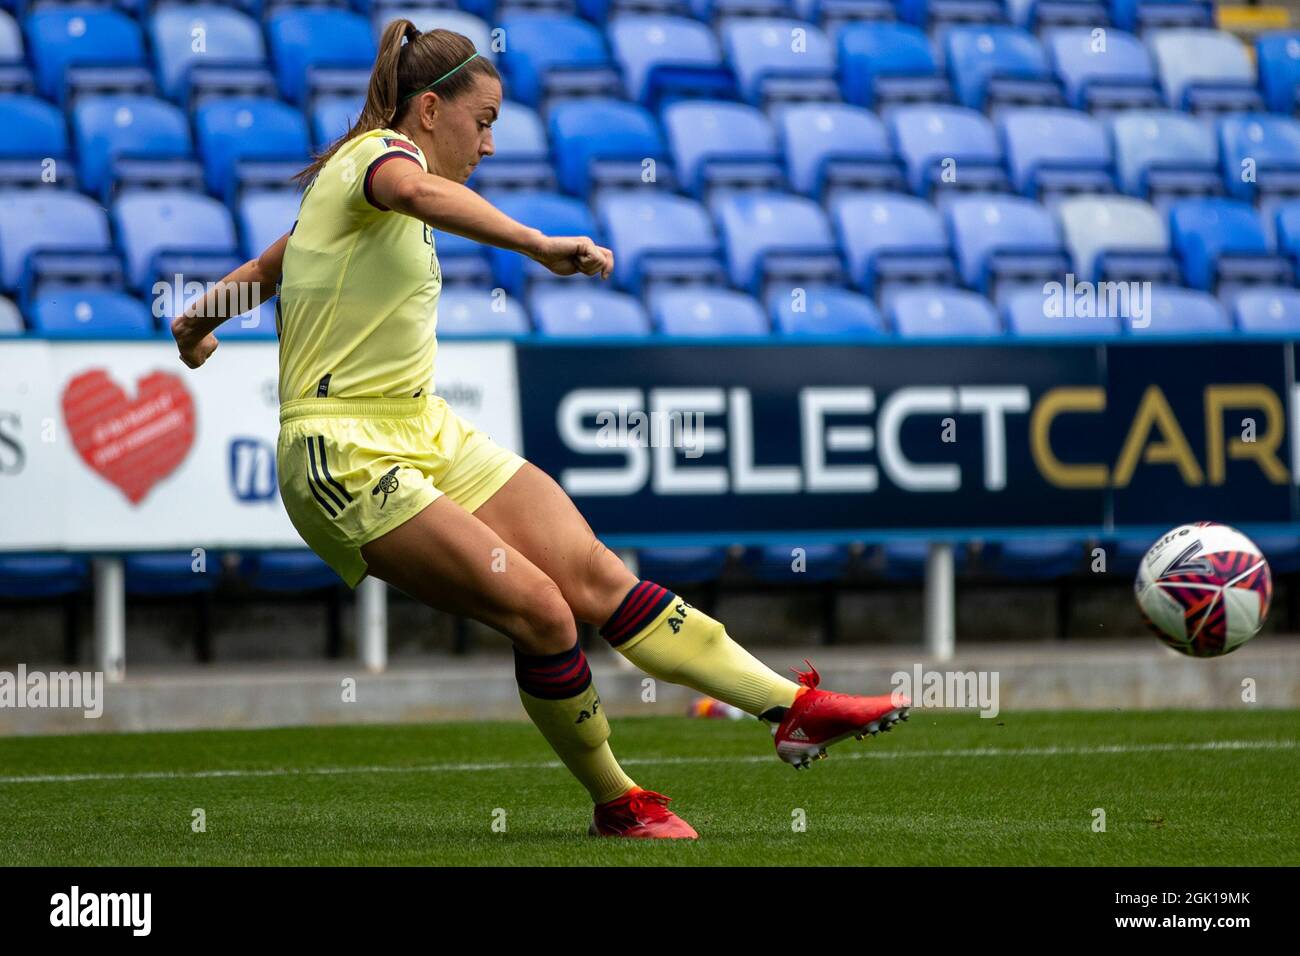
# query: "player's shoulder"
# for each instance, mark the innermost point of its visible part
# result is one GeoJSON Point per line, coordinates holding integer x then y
{"type": "Point", "coordinates": [377, 142]}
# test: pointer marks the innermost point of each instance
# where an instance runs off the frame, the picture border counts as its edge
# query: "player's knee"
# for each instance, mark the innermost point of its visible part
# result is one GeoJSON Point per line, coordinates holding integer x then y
{"type": "Point", "coordinates": [547, 624]}
{"type": "Point", "coordinates": [605, 582]}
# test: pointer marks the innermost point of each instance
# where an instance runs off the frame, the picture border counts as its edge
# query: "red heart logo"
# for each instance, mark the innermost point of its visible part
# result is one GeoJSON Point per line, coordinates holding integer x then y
{"type": "Point", "coordinates": [133, 444]}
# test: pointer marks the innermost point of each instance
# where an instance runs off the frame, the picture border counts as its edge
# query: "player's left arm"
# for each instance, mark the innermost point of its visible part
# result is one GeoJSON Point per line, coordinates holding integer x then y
{"type": "Point", "coordinates": [257, 278]}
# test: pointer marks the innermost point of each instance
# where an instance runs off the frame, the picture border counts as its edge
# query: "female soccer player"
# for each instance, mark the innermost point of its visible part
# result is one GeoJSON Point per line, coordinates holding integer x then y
{"type": "Point", "coordinates": [381, 477]}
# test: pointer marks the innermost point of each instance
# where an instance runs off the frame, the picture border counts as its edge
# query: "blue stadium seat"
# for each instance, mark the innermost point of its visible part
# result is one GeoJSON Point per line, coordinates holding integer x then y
{"type": "Point", "coordinates": [656, 237]}
{"type": "Point", "coordinates": [692, 565]}
{"type": "Point", "coordinates": [42, 575]}
{"type": "Point", "coordinates": [716, 11]}
{"type": "Point", "coordinates": [522, 158]}
{"type": "Point", "coordinates": [469, 312]}
{"type": "Point", "coordinates": [1032, 313]}
{"type": "Point", "coordinates": [1204, 71]}
{"type": "Point", "coordinates": [1277, 55]}
{"type": "Point", "coordinates": [776, 563]}
{"type": "Point", "coordinates": [264, 218]}
{"type": "Point", "coordinates": [1222, 243]}
{"type": "Point", "coordinates": [824, 310]}
{"type": "Point", "coordinates": [68, 310]}
{"type": "Point", "coordinates": [1282, 551]}
{"type": "Point", "coordinates": [561, 310]}
{"type": "Point", "coordinates": [332, 117]}
{"type": "Point", "coordinates": [440, 14]}
{"type": "Point", "coordinates": [168, 572]}
{"type": "Point", "coordinates": [552, 213]}
{"type": "Point", "coordinates": [550, 56]}
{"type": "Point", "coordinates": [605, 142]}
{"type": "Point", "coordinates": [232, 60]}
{"type": "Point", "coordinates": [11, 319]}
{"type": "Point", "coordinates": [779, 60]}
{"type": "Point", "coordinates": [14, 75]}
{"type": "Point", "coordinates": [1051, 151]}
{"type": "Point", "coordinates": [1268, 311]}
{"type": "Point", "coordinates": [932, 312]}
{"type": "Point", "coordinates": [890, 238]}
{"type": "Point", "coordinates": [83, 48]}
{"type": "Point", "coordinates": [1118, 75]}
{"type": "Point", "coordinates": [884, 64]}
{"type": "Point", "coordinates": [246, 141]}
{"type": "Point", "coordinates": [833, 14]}
{"type": "Point", "coordinates": [1041, 15]}
{"type": "Point", "coordinates": [999, 66]}
{"type": "Point", "coordinates": [258, 323]}
{"type": "Point", "coordinates": [280, 571]}
{"type": "Point", "coordinates": [835, 146]}
{"type": "Point", "coordinates": [167, 232]}
{"type": "Point", "coordinates": [35, 132]}
{"type": "Point", "coordinates": [52, 235]}
{"type": "Point", "coordinates": [719, 144]}
{"type": "Point", "coordinates": [133, 141]}
{"type": "Point", "coordinates": [1137, 15]}
{"type": "Point", "coordinates": [1271, 144]}
{"type": "Point", "coordinates": [1161, 154]}
{"type": "Point", "coordinates": [947, 146]}
{"type": "Point", "coordinates": [1117, 238]}
{"type": "Point", "coordinates": [1004, 239]}
{"type": "Point", "coordinates": [939, 13]}
{"type": "Point", "coordinates": [1286, 228]}
{"type": "Point", "coordinates": [666, 58]}
{"type": "Point", "coordinates": [775, 239]}
{"type": "Point", "coordinates": [905, 560]}
{"type": "Point", "coordinates": [462, 260]}
{"type": "Point", "coordinates": [695, 311]}
{"type": "Point", "coordinates": [320, 51]}
{"type": "Point", "coordinates": [1040, 559]}
{"type": "Point", "coordinates": [1176, 311]}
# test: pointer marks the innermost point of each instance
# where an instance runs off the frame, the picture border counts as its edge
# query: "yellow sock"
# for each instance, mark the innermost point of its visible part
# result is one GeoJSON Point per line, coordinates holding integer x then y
{"type": "Point", "coordinates": [561, 700]}
{"type": "Point", "coordinates": [674, 641]}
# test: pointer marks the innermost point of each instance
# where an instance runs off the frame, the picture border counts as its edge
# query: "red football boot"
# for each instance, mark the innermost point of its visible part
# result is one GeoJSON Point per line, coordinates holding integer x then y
{"type": "Point", "coordinates": [819, 718]}
{"type": "Point", "coordinates": [640, 813]}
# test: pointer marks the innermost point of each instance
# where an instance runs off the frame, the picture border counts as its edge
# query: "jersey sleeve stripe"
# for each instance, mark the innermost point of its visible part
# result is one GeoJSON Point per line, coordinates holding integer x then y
{"type": "Point", "coordinates": [374, 168]}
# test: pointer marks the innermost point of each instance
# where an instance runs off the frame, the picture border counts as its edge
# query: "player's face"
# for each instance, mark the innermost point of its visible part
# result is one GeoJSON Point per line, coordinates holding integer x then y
{"type": "Point", "coordinates": [462, 135]}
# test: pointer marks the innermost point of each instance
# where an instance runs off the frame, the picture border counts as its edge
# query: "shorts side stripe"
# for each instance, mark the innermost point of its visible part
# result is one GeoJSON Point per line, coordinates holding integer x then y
{"type": "Point", "coordinates": [325, 467]}
{"type": "Point", "coordinates": [316, 485]}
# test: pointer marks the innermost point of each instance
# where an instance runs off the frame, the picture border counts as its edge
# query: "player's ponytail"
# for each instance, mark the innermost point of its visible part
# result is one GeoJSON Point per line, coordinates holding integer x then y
{"type": "Point", "coordinates": [408, 63]}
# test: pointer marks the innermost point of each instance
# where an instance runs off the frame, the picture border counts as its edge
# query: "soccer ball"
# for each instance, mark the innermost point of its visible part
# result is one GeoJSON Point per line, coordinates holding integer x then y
{"type": "Point", "coordinates": [1204, 589]}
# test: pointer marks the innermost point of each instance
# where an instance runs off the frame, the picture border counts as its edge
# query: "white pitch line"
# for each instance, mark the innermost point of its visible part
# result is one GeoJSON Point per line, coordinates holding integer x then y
{"type": "Point", "coordinates": [665, 761]}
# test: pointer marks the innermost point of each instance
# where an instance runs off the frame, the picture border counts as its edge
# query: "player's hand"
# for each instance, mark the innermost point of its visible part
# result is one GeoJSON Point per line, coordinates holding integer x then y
{"type": "Point", "coordinates": [568, 255]}
{"type": "Point", "coordinates": [194, 348]}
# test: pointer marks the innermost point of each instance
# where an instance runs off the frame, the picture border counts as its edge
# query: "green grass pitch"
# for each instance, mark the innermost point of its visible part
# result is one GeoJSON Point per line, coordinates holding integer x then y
{"type": "Point", "coordinates": [1177, 788]}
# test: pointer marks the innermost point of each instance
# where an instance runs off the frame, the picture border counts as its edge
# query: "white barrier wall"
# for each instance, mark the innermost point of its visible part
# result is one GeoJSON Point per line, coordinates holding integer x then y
{"type": "Point", "coordinates": [118, 446]}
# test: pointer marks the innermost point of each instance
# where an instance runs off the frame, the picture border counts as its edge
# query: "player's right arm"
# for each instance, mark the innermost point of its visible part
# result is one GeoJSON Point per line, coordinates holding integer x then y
{"type": "Point", "coordinates": [451, 207]}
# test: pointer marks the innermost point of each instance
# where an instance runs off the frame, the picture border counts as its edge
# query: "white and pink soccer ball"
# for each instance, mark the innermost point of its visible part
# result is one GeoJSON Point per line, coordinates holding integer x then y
{"type": "Point", "coordinates": [1204, 589]}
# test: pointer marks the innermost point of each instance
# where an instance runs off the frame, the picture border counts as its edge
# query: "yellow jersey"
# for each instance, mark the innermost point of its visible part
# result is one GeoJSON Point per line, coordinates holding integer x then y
{"type": "Point", "coordinates": [360, 284]}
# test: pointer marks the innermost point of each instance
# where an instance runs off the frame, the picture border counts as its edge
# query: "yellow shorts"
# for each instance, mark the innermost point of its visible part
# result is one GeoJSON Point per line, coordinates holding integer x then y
{"type": "Point", "coordinates": [352, 469]}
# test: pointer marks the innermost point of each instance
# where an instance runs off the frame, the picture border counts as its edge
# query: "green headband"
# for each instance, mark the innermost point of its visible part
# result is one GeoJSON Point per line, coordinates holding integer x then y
{"type": "Point", "coordinates": [425, 89]}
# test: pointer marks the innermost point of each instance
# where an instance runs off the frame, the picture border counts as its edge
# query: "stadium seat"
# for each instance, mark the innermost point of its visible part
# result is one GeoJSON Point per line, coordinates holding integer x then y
{"type": "Point", "coordinates": [79, 49]}
{"type": "Point", "coordinates": [166, 573]}
{"type": "Point", "coordinates": [438, 15]}
{"type": "Point", "coordinates": [936, 14]}
{"type": "Point", "coordinates": [468, 312]}
{"type": "Point", "coordinates": [1222, 242]}
{"type": "Point", "coordinates": [522, 158]}
{"type": "Point", "coordinates": [1278, 57]}
{"type": "Point", "coordinates": [129, 141]}
{"type": "Point", "coordinates": [281, 571]}
{"type": "Point", "coordinates": [906, 560]}
{"type": "Point", "coordinates": [1117, 74]}
{"type": "Point", "coordinates": [667, 58]}
{"type": "Point", "coordinates": [1180, 312]}
{"type": "Point", "coordinates": [1039, 559]}
{"type": "Point", "coordinates": [1204, 71]}
{"type": "Point", "coordinates": [462, 260]}
{"type": "Point", "coordinates": [549, 57]}
{"type": "Point", "coordinates": [657, 237]}
{"type": "Point", "coordinates": [948, 146]}
{"type": "Point", "coordinates": [320, 51]}
{"type": "Point", "coordinates": [992, 65]}
{"type": "Point", "coordinates": [1265, 145]}
{"type": "Point", "coordinates": [42, 575]}
{"type": "Point", "coordinates": [1282, 552]}
{"type": "Point", "coordinates": [1004, 239]}
{"type": "Point", "coordinates": [1137, 15]}
{"type": "Point", "coordinates": [1042, 15]}
{"type": "Point", "coordinates": [605, 142]}
{"type": "Point", "coordinates": [552, 213]}
{"type": "Point", "coordinates": [35, 134]}
{"type": "Point", "coordinates": [168, 232]}
{"type": "Point", "coordinates": [1053, 151]}
{"type": "Point", "coordinates": [230, 62]}
{"type": "Point", "coordinates": [717, 144]}
{"type": "Point", "coordinates": [258, 323]}
{"type": "Point", "coordinates": [332, 117]}
{"type": "Point", "coordinates": [824, 310]}
{"type": "Point", "coordinates": [249, 142]}
{"type": "Point", "coordinates": [830, 15]}
{"type": "Point", "coordinates": [775, 239]}
{"type": "Point", "coordinates": [11, 319]}
{"type": "Point", "coordinates": [931, 312]}
{"type": "Point", "coordinates": [818, 563]}
{"type": "Point", "coordinates": [716, 11]}
{"type": "Point", "coordinates": [890, 238]}
{"type": "Point", "coordinates": [264, 218]}
{"type": "Point", "coordinates": [68, 310]}
{"type": "Point", "coordinates": [1161, 154]}
{"type": "Point", "coordinates": [14, 75]}
{"type": "Point", "coordinates": [888, 64]}
{"type": "Point", "coordinates": [52, 235]}
{"type": "Point", "coordinates": [694, 311]}
{"type": "Point", "coordinates": [835, 146]}
{"type": "Point", "coordinates": [560, 310]}
{"type": "Point", "coordinates": [1117, 238]}
{"type": "Point", "coordinates": [688, 565]}
{"type": "Point", "coordinates": [1033, 313]}
{"type": "Point", "coordinates": [1286, 229]}
{"type": "Point", "coordinates": [1268, 311]}
{"type": "Point", "coordinates": [779, 60]}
